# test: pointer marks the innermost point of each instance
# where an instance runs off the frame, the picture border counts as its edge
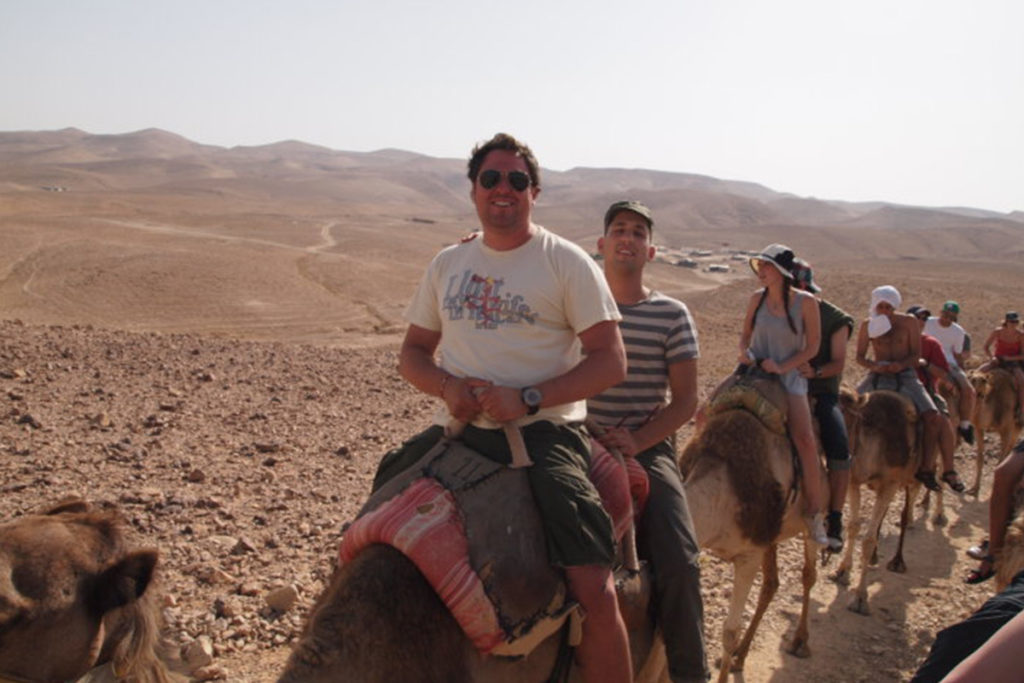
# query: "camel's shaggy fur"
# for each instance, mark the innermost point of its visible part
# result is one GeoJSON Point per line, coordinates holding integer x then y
{"type": "Point", "coordinates": [993, 412]}
{"type": "Point", "coordinates": [74, 596]}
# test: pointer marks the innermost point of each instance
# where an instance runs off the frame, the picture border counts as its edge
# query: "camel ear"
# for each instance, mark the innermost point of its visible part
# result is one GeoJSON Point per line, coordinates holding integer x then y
{"type": "Point", "coordinates": [72, 504]}
{"type": "Point", "coordinates": [125, 581]}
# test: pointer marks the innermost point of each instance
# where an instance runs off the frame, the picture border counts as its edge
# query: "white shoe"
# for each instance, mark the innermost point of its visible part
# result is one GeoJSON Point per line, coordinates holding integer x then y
{"type": "Point", "coordinates": [816, 528]}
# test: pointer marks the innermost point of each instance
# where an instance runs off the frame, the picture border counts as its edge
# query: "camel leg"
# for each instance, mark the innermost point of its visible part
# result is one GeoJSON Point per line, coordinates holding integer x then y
{"type": "Point", "coordinates": [842, 573]}
{"type": "Point", "coordinates": [769, 586]}
{"type": "Point", "coordinates": [800, 646]}
{"type": "Point", "coordinates": [859, 603]}
{"type": "Point", "coordinates": [896, 564]}
{"type": "Point", "coordinates": [939, 519]}
{"type": "Point", "coordinates": [744, 569]}
{"type": "Point", "coordinates": [979, 461]}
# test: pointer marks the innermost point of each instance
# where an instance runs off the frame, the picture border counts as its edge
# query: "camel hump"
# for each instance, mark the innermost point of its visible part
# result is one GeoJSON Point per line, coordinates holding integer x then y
{"type": "Point", "coordinates": [891, 417]}
{"type": "Point", "coordinates": [754, 457]}
{"type": "Point", "coordinates": [762, 396]}
{"type": "Point", "coordinates": [471, 527]}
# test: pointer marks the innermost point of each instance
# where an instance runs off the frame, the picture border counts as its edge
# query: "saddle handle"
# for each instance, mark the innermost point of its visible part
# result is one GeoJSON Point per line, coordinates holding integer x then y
{"type": "Point", "coordinates": [520, 457]}
{"type": "Point", "coordinates": [630, 560]}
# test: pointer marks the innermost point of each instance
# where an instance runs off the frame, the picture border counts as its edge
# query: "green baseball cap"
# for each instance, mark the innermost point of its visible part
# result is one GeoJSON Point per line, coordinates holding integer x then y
{"type": "Point", "coordinates": [628, 205]}
{"type": "Point", "coordinates": [951, 307]}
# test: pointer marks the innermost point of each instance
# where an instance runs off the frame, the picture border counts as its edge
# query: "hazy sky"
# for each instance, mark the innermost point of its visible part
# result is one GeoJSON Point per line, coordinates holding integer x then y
{"type": "Point", "coordinates": [912, 101]}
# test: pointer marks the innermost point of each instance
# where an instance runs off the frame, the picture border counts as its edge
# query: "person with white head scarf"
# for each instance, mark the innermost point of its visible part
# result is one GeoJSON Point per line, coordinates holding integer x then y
{"type": "Point", "coordinates": [895, 341]}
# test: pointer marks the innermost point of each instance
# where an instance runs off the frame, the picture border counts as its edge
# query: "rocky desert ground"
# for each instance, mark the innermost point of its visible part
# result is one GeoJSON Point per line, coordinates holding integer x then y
{"type": "Point", "coordinates": [212, 349]}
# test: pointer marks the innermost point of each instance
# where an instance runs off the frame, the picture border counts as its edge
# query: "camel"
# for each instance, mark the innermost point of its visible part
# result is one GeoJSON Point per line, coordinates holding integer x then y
{"type": "Point", "coordinates": [744, 499]}
{"type": "Point", "coordinates": [74, 597]}
{"type": "Point", "coordinates": [993, 412]}
{"type": "Point", "coordinates": [886, 455]}
{"type": "Point", "coordinates": [1011, 559]}
{"type": "Point", "coordinates": [380, 620]}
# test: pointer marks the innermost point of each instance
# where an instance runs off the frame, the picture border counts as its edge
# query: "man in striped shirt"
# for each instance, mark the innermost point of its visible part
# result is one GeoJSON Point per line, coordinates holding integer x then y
{"type": "Point", "coordinates": [641, 416]}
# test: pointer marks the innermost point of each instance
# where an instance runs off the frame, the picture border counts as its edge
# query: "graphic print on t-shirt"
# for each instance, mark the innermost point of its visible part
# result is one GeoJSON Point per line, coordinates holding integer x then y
{"type": "Point", "coordinates": [480, 298]}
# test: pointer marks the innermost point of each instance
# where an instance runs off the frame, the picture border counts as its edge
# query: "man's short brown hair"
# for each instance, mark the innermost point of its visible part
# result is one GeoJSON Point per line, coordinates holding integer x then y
{"type": "Point", "coordinates": [509, 143]}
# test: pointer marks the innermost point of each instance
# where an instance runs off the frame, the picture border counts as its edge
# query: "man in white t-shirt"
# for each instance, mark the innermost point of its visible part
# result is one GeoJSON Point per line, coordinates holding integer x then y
{"type": "Point", "coordinates": [517, 325]}
{"type": "Point", "coordinates": [952, 336]}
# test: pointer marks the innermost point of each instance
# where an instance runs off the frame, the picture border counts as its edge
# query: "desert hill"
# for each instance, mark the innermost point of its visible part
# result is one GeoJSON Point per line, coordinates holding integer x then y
{"type": "Point", "coordinates": [151, 231]}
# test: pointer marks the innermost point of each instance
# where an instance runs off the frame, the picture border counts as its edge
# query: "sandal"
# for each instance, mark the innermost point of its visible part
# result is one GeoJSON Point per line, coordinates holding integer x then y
{"type": "Point", "coordinates": [953, 480]}
{"type": "Point", "coordinates": [928, 479]}
{"type": "Point", "coordinates": [978, 575]}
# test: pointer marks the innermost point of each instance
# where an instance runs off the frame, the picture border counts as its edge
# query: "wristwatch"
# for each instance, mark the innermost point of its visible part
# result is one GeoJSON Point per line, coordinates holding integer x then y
{"type": "Point", "coordinates": [532, 397]}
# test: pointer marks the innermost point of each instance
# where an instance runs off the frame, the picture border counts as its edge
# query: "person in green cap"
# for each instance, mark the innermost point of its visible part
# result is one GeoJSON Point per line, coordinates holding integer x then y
{"type": "Point", "coordinates": [951, 335]}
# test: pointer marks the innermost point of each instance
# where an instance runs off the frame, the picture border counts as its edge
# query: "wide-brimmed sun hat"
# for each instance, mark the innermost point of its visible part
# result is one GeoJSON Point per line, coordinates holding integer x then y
{"type": "Point", "coordinates": [780, 256]}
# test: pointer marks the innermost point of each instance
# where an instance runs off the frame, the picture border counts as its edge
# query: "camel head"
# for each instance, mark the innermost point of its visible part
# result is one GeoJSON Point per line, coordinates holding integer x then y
{"type": "Point", "coordinates": [62, 575]}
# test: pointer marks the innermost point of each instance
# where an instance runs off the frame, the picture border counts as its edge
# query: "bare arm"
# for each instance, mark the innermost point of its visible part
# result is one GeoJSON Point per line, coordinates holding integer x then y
{"type": "Point", "coordinates": [987, 347]}
{"type": "Point", "coordinates": [837, 346]}
{"type": "Point", "coordinates": [417, 365]}
{"type": "Point", "coordinates": [998, 659]}
{"type": "Point", "coordinates": [748, 328]}
{"type": "Point", "coordinates": [862, 347]}
{"type": "Point", "coordinates": [682, 381]}
{"type": "Point", "coordinates": [603, 366]}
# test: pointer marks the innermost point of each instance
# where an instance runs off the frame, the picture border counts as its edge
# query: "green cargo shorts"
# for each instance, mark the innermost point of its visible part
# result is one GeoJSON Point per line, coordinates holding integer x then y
{"type": "Point", "coordinates": [577, 529]}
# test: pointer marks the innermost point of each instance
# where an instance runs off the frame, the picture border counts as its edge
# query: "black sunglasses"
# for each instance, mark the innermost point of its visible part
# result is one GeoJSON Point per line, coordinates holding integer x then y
{"type": "Point", "coordinates": [517, 179]}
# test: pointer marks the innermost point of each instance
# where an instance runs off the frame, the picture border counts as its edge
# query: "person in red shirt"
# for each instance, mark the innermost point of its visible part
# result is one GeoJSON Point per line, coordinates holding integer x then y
{"type": "Point", "coordinates": [933, 368]}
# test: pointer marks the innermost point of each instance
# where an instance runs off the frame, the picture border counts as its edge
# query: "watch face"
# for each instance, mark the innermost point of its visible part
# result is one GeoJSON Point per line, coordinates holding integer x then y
{"type": "Point", "coordinates": [532, 396]}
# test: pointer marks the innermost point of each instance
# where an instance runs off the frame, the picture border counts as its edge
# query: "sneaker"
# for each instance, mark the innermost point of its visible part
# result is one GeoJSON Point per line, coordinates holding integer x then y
{"type": "Point", "coordinates": [816, 528]}
{"type": "Point", "coordinates": [834, 522]}
{"type": "Point", "coordinates": [967, 434]}
{"type": "Point", "coordinates": [928, 479]}
{"type": "Point", "coordinates": [979, 552]}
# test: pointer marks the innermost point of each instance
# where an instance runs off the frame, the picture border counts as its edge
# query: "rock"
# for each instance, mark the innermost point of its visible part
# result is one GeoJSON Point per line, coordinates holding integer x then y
{"type": "Point", "coordinates": [198, 653]}
{"type": "Point", "coordinates": [196, 476]}
{"type": "Point", "coordinates": [213, 672]}
{"type": "Point", "coordinates": [282, 599]}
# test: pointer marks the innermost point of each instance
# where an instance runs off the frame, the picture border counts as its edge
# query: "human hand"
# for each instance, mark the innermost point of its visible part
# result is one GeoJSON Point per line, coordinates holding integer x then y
{"type": "Point", "coordinates": [460, 397]}
{"type": "Point", "coordinates": [502, 404]}
{"type": "Point", "coordinates": [769, 365]}
{"type": "Point", "coordinates": [620, 439]}
{"type": "Point", "coordinates": [806, 370]}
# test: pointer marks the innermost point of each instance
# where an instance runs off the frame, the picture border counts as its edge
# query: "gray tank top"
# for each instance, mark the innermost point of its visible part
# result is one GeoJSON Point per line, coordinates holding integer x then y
{"type": "Point", "coordinates": [773, 338]}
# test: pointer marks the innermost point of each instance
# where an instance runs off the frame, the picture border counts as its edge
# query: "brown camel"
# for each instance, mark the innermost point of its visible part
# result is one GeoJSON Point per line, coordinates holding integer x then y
{"type": "Point", "coordinates": [886, 455]}
{"type": "Point", "coordinates": [380, 620]}
{"type": "Point", "coordinates": [993, 412]}
{"type": "Point", "coordinates": [743, 494]}
{"type": "Point", "coordinates": [1011, 559]}
{"type": "Point", "coordinates": [74, 597]}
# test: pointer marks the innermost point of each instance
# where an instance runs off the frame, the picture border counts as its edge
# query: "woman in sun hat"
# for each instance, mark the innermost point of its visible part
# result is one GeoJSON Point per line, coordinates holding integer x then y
{"type": "Point", "coordinates": [1008, 353]}
{"type": "Point", "coordinates": [781, 332]}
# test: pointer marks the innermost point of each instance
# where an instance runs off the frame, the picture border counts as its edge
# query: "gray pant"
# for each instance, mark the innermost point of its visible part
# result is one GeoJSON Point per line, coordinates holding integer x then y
{"type": "Point", "coordinates": [666, 539]}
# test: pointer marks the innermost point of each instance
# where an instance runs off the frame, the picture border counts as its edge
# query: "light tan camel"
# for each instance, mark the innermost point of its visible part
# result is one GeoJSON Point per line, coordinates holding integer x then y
{"type": "Point", "coordinates": [741, 487]}
{"type": "Point", "coordinates": [381, 621]}
{"type": "Point", "coordinates": [993, 412]}
{"type": "Point", "coordinates": [74, 597]}
{"type": "Point", "coordinates": [886, 454]}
